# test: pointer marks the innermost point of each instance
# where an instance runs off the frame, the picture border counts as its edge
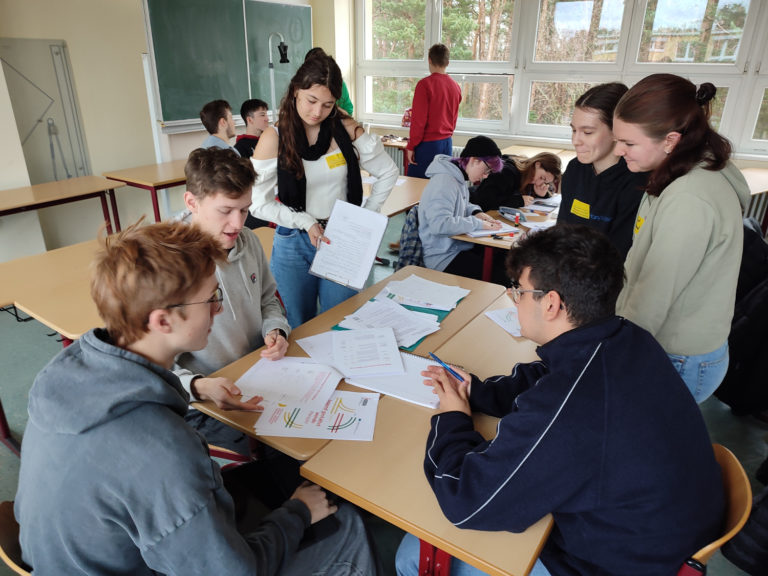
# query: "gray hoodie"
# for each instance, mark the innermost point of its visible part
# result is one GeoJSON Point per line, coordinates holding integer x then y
{"type": "Point", "coordinates": [444, 211]}
{"type": "Point", "coordinates": [114, 482]}
{"type": "Point", "coordinates": [251, 310]}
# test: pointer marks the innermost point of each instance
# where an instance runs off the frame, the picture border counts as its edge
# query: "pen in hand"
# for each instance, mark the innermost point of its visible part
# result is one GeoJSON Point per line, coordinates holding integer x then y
{"type": "Point", "coordinates": [451, 371]}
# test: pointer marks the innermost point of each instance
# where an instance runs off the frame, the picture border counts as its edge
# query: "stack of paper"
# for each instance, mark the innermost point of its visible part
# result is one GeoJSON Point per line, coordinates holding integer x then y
{"type": "Point", "coordinates": [540, 225]}
{"type": "Point", "coordinates": [409, 326]}
{"type": "Point", "coordinates": [416, 291]}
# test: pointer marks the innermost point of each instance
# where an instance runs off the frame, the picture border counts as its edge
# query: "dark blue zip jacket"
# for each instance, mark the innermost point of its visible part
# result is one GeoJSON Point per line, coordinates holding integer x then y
{"type": "Point", "coordinates": [603, 434]}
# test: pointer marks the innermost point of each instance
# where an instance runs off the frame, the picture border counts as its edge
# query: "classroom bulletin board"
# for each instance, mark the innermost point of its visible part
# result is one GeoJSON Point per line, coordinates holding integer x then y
{"type": "Point", "coordinates": [203, 50]}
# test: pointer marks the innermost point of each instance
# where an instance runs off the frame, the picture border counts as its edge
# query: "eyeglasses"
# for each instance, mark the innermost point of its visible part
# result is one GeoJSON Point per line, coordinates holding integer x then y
{"type": "Point", "coordinates": [487, 170]}
{"type": "Point", "coordinates": [514, 290]}
{"type": "Point", "coordinates": [216, 300]}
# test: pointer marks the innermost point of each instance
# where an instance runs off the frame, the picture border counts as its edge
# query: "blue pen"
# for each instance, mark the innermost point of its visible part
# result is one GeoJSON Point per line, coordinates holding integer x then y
{"type": "Point", "coordinates": [451, 371]}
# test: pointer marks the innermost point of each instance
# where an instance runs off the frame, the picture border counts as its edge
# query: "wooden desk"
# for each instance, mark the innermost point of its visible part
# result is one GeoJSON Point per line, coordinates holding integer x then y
{"type": "Point", "coordinates": [529, 151]}
{"type": "Point", "coordinates": [490, 243]}
{"type": "Point", "coordinates": [386, 476]}
{"type": "Point", "coordinates": [58, 192]}
{"type": "Point", "coordinates": [482, 294]}
{"type": "Point", "coordinates": [54, 288]}
{"type": "Point", "coordinates": [757, 180]}
{"type": "Point", "coordinates": [403, 197]}
{"type": "Point", "coordinates": [152, 177]}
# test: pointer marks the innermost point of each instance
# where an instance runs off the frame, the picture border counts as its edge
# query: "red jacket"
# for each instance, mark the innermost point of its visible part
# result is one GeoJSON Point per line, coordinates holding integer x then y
{"type": "Point", "coordinates": [435, 109]}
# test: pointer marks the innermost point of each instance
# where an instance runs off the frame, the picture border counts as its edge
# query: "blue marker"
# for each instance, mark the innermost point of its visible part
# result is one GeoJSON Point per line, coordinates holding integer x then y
{"type": "Point", "coordinates": [451, 371]}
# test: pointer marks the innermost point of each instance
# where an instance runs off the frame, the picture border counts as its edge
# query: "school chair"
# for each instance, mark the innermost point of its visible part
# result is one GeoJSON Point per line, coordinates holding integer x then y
{"type": "Point", "coordinates": [738, 503]}
{"type": "Point", "coordinates": [5, 433]}
{"type": "Point", "coordinates": [10, 550]}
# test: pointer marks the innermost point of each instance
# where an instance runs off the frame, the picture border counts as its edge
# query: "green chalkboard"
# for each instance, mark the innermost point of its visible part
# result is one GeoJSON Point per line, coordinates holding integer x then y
{"type": "Point", "coordinates": [199, 51]}
{"type": "Point", "coordinates": [295, 24]}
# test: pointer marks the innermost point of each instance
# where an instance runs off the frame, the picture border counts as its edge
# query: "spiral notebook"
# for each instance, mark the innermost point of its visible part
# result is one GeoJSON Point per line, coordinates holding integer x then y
{"type": "Point", "coordinates": [409, 386]}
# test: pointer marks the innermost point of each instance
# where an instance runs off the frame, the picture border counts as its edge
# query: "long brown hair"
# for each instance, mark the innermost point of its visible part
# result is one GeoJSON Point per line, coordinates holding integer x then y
{"type": "Point", "coordinates": [317, 69]}
{"type": "Point", "coordinates": [527, 166]}
{"type": "Point", "coordinates": [664, 103]}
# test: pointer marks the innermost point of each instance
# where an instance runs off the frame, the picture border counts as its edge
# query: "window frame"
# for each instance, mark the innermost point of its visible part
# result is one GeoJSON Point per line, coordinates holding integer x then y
{"type": "Point", "coordinates": [746, 77]}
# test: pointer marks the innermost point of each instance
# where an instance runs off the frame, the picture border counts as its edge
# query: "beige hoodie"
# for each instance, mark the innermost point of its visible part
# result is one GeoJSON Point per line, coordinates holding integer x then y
{"type": "Point", "coordinates": [684, 261]}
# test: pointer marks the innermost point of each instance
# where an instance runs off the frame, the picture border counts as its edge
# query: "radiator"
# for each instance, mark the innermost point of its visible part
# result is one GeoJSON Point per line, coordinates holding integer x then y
{"type": "Point", "coordinates": [397, 155]}
{"type": "Point", "coordinates": [456, 151]}
{"type": "Point", "coordinates": [756, 208]}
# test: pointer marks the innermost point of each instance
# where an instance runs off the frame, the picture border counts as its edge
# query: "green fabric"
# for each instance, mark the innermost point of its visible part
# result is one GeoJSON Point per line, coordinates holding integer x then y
{"type": "Point", "coordinates": [344, 102]}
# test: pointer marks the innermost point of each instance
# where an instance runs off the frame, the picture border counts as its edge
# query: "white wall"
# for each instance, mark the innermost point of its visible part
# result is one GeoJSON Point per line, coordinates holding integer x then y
{"type": "Point", "coordinates": [20, 234]}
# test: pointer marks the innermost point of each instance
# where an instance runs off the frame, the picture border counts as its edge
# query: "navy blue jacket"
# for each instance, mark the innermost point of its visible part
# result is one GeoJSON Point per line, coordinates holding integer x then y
{"type": "Point", "coordinates": [612, 198]}
{"type": "Point", "coordinates": [603, 434]}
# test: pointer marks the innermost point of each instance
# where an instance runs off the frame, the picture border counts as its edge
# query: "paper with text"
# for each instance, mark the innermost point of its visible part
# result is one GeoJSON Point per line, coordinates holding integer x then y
{"type": "Point", "coordinates": [289, 380]}
{"type": "Point", "coordinates": [409, 386]}
{"type": "Point", "coordinates": [369, 352]}
{"type": "Point", "coordinates": [355, 234]}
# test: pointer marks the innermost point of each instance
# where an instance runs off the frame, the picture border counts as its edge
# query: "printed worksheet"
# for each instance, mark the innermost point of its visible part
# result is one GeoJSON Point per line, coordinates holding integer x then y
{"type": "Point", "coordinates": [344, 416]}
{"type": "Point", "coordinates": [296, 380]}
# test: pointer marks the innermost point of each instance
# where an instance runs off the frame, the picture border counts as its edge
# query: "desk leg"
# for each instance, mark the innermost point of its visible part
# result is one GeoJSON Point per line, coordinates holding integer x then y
{"type": "Point", "coordinates": [105, 211]}
{"type": "Point", "coordinates": [115, 215]}
{"type": "Point", "coordinates": [5, 433]}
{"type": "Point", "coordinates": [487, 263]}
{"type": "Point", "coordinates": [155, 206]}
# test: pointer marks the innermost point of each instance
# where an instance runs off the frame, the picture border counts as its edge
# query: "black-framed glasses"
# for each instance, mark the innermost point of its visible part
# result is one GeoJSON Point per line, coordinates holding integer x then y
{"type": "Point", "coordinates": [487, 170]}
{"type": "Point", "coordinates": [215, 300]}
{"type": "Point", "coordinates": [514, 290]}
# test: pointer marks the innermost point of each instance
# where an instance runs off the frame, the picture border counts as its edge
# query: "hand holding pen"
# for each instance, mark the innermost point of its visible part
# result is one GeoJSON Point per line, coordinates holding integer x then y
{"type": "Point", "coordinates": [450, 384]}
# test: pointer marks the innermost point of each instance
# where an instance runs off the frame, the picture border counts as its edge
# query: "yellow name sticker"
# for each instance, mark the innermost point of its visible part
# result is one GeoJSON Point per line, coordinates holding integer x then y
{"type": "Point", "coordinates": [639, 224]}
{"type": "Point", "coordinates": [335, 160]}
{"type": "Point", "coordinates": [580, 209]}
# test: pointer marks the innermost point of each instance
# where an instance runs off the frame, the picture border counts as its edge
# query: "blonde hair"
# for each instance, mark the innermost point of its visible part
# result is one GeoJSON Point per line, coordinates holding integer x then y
{"type": "Point", "coordinates": [145, 268]}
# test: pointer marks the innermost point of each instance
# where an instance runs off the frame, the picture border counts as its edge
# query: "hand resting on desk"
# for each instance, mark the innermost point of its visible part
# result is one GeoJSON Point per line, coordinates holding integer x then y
{"type": "Point", "coordinates": [453, 394]}
{"type": "Point", "coordinates": [224, 393]}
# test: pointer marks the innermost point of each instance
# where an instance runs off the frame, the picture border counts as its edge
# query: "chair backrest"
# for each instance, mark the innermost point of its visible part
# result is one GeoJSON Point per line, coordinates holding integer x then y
{"type": "Point", "coordinates": [738, 495]}
{"type": "Point", "coordinates": [411, 251]}
{"type": "Point", "coordinates": [10, 550]}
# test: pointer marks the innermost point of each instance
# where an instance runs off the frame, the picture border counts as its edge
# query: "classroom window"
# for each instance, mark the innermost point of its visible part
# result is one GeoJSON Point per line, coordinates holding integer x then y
{"type": "Point", "coordinates": [551, 103]}
{"type": "Point", "coordinates": [761, 127]}
{"type": "Point", "coordinates": [575, 31]}
{"type": "Point", "coordinates": [482, 100]}
{"type": "Point", "coordinates": [391, 95]}
{"type": "Point", "coordinates": [695, 31]}
{"type": "Point", "coordinates": [521, 65]}
{"type": "Point", "coordinates": [479, 30]}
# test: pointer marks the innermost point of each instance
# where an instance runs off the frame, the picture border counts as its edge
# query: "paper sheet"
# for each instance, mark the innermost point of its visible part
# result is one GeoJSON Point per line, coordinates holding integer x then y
{"type": "Point", "coordinates": [355, 234]}
{"type": "Point", "coordinates": [505, 229]}
{"type": "Point", "coordinates": [409, 326]}
{"type": "Point", "coordinates": [289, 380]}
{"type": "Point", "coordinates": [507, 319]}
{"type": "Point", "coordinates": [370, 352]}
{"type": "Point", "coordinates": [344, 416]}
{"type": "Point", "coordinates": [409, 386]}
{"type": "Point", "coordinates": [416, 291]}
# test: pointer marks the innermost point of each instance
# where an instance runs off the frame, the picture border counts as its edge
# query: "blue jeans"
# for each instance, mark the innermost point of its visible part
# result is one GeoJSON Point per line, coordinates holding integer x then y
{"type": "Point", "coordinates": [292, 255]}
{"type": "Point", "coordinates": [425, 152]}
{"type": "Point", "coordinates": [407, 562]}
{"type": "Point", "coordinates": [702, 373]}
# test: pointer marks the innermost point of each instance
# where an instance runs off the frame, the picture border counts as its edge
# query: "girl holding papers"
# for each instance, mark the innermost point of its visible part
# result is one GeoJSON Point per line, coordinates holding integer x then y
{"type": "Point", "coordinates": [686, 251]}
{"type": "Point", "coordinates": [313, 155]}
{"type": "Point", "coordinates": [445, 209]}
